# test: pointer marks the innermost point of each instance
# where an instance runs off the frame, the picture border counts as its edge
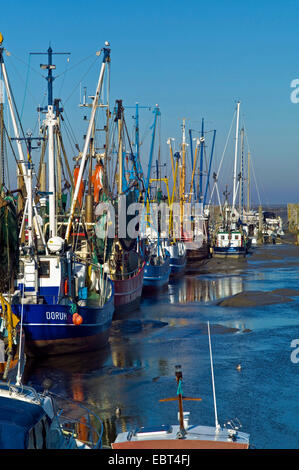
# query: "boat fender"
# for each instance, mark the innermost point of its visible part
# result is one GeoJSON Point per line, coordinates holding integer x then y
{"type": "Point", "coordinates": [77, 319]}
{"type": "Point", "coordinates": [92, 278]}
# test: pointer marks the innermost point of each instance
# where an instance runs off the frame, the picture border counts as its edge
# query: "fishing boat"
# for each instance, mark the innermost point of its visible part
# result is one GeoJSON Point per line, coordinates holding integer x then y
{"type": "Point", "coordinates": [178, 259]}
{"type": "Point", "coordinates": [32, 420]}
{"type": "Point", "coordinates": [185, 435]}
{"type": "Point", "coordinates": [157, 269]}
{"type": "Point", "coordinates": [127, 291]}
{"type": "Point", "coordinates": [199, 249]}
{"type": "Point", "coordinates": [230, 237]}
{"type": "Point", "coordinates": [61, 295]}
{"type": "Point", "coordinates": [9, 331]}
{"type": "Point", "coordinates": [229, 244]}
{"type": "Point", "coordinates": [272, 227]}
{"type": "Point", "coordinates": [166, 236]}
{"type": "Point", "coordinates": [126, 261]}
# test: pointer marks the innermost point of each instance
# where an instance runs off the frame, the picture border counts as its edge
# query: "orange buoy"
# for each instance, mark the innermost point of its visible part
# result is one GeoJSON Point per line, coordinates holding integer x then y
{"type": "Point", "coordinates": [77, 319]}
{"type": "Point", "coordinates": [97, 181]}
{"type": "Point", "coordinates": [81, 190]}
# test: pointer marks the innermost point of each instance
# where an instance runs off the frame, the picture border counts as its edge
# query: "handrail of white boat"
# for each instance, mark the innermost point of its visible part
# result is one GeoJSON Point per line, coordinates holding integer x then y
{"type": "Point", "coordinates": [20, 389]}
{"type": "Point", "coordinates": [71, 420]}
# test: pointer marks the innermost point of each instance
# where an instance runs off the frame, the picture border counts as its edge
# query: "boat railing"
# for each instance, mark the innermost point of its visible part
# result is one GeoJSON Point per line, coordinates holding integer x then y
{"type": "Point", "coordinates": [128, 275]}
{"type": "Point", "coordinates": [21, 389]}
{"type": "Point", "coordinates": [87, 427]}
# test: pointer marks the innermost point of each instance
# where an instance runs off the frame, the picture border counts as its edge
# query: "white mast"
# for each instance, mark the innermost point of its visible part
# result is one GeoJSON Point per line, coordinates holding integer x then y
{"type": "Point", "coordinates": [51, 122]}
{"type": "Point", "coordinates": [217, 425]}
{"type": "Point", "coordinates": [26, 173]}
{"type": "Point", "coordinates": [87, 139]}
{"type": "Point", "coordinates": [236, 154]}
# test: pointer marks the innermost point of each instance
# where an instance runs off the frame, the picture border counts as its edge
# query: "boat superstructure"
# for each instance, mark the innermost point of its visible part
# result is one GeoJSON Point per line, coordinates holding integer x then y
{"type": "Point", "coordinates": [61, 295]}
{"type": "Point", "coordinates": [185, 435]}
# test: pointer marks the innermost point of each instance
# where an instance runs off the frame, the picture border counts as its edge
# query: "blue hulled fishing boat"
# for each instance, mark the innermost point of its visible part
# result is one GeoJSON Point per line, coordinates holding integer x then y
{"type": "Point", "coordinates": [61, 293]}
{"type": "Point", "coordinates": [157, 269]}
{"type": "Point", "coordinates": [178, 257]}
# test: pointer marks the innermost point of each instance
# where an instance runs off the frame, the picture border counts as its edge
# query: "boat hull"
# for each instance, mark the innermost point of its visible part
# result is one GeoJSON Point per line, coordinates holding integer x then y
{"type": "Point", "coordinates": [196, 437]}
{"type": "Point", "coordinates": [178, 444]}
{"type": "Point", "coordinates": [177, 265]}
{"type": "Point", "coordinates": [49, 329]}
{"type": "Point", "coordinates": [127, 292]}
{"type": "Point", "coordinates": [229, 252]}
{"type": "Point", "coordinates": [156, 277]}
{"type": "Point", "coordinates": [199, 254]}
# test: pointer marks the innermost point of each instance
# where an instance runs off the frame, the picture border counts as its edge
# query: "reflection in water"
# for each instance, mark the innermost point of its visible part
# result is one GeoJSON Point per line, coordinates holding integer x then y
{"type": "Point", "coordinates": [67, 376]}
{"type": "Point", "coordinates": [62, 369]}
{"type": "Point", "coordinates": [124, 388]}
{"type": "Point", "coordinates": [197, 289]}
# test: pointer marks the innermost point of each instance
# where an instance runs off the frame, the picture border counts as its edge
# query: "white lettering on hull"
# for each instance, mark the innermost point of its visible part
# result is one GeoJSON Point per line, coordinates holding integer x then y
{"type": "Point", "coordinates": [56, 315]}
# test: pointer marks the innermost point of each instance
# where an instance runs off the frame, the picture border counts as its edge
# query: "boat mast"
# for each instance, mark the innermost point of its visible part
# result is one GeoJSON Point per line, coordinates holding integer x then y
{"type": "Point", "coordinates": [209, 170]}
{"type": "Point", "coordinates": [236, 155]}
{"type": "Point", "coordinates": [200, 196]}
{"type": "Point", "coordinates": [106, 59]}
{"type": "Point", "coordinates": [248, 184]}
{"type": "Point", "coordinates": [242, 173]}
{"type": "Point", "coordinates": [193, 163]}
{"type": "Point", "coordinates": [183, 175]}
{"type": "Point", "coordinates": [51, 122]}
{"type": "Point", "coordinates": [26, 173]}
{"type": "Point", "coordinates": [217, 425]}
{"type": "Point", "coordinates": [119, 118]}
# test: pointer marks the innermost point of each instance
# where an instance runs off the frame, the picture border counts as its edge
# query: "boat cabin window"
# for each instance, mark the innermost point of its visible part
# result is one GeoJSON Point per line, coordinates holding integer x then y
{"type": "Point", "coordinates": [222, 237]}
{"type": "Point", "coordinates": [44, 269]}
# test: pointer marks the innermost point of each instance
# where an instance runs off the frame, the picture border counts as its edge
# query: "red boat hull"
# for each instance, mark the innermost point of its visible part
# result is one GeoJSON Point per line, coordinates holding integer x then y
{"type": "Point", "coordinates": [127, 292]}
{"type": "Point", "coordinates": [178, 444]}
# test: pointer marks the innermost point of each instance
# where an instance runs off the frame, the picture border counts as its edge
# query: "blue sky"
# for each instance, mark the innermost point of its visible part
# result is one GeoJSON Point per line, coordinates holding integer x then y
{"type": "Point", "coordinates": [194, 58]}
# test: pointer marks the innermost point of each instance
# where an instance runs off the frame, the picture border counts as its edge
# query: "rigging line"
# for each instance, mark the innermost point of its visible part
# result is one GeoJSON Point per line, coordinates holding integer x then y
{"type": "Point", "coordinates": [75, 65]}
{"type": "Point", "coordinates": [64, 75]}
{"type": "Point", "coordinates": [38, 117]}
{"type": "Point", "coordinates": [23, 62]}
{"type": "Point", "coordinates": [12, 150]}
{"type": "Point", "coordinates": [70, 128]}
{"type": "Point", "coordinates": [20, 124]}
{"type": "Point", "coordinates": [147, 130]}
{"type": "Point", "coordinates": [74, 150]}
{"type": "Point", "coordinates": [258, 193]}
{"type": "Point", "coordinates": [26, 86]}
{"type": "Point", "coordinates": [76, 86]}
{"type": "Point", "coordinates": [22, 81]}
{"type": "Point", "coordinates": [226, 143]}
{"type": "Point", "coordinates": [253, 170]}
{"type": "Point", "coordinates": [221, 161]}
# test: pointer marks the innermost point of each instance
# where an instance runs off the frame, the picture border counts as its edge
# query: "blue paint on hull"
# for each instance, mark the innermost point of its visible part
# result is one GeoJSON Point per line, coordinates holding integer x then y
{"type": "Point", "coordinates": [177, 265]}
{"type": "Point", "coordinates": [49, 328]}
{"type": "Point", "coordinates": [157, 276]}
{"type": "Point", "coordinates": [230, 251]}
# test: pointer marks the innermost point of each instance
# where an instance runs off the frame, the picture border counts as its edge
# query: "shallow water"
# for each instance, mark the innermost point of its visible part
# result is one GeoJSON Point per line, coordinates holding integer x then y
{"type": "Point", "coordinates": [137, 367]}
